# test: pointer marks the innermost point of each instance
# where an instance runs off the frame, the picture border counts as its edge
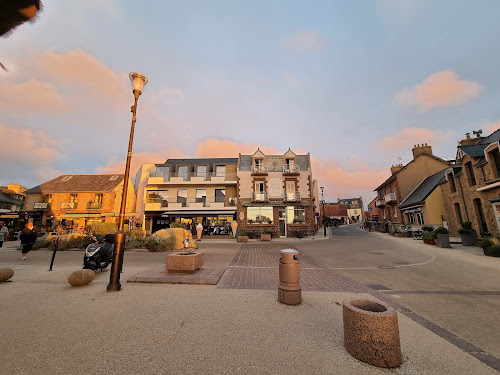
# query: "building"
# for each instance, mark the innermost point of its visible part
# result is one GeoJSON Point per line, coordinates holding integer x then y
{"type": "Point", "coordinates": [425, 204]}
{"type": "Point", "coordinates": [404, 179]}
{"type": "Point", "coordinates": [11, 202]}
{"type": "Point", "coordinates": [188, 191]}
{"type": "Point", "coordinates": [276, 193]}
{"type": "Point", "coordinates": [77, 200]}
{"type": "Point", "coordinates": [374, 213]}
{"type": "Point", "coordinates": [472, 191]}
{"type": "Point", "coordinates": [335, 211]}
{"type": "Point", "coordinates": [355, 209]}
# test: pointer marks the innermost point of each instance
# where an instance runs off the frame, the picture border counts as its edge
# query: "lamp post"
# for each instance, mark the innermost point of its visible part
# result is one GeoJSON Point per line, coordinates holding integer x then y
{"type": "Point", "coordinates": [138, 82]}
{"type": "Point", "coordinates": [323, 203]}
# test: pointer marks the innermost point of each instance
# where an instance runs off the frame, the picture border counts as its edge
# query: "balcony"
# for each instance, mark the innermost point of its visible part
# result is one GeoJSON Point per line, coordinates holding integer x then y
{"type": "Point", "coordinates": [390, 197]}
{"type": "Point", "coordinates": [94, 205]}
{"type": "Point", "coordinates": [291, 170]}
{"type": "Point", "coordinates": [41, 206]}
{"type": "Point", "coordinates": [156, 203]}
{"type": "Point", "coordinates": [259, 169]}
{"type": "Point", "coordinates": [380, 202]}
{"type": "Point", "coordinates": [292, 197]}
{"type": "Point", "coordinates": [260, 197]}
{"type": "Point", "coordinates": [68, 205]}
{"type": "Point", "coordinates": [160, 177]}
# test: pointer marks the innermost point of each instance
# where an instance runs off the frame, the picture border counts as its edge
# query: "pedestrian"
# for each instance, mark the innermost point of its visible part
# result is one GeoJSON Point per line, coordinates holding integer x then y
{"type": "Point", "coordinates": [28, 238]}
{"type": "Point", "coordinates": [4, 233]}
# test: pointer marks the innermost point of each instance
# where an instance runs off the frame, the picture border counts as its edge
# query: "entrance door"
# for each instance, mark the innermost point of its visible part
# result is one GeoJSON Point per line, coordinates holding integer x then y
{"type": "Point", "coordinates": [282, 215]}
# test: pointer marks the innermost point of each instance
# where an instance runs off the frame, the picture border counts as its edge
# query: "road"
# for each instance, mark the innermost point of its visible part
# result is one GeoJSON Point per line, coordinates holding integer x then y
{"type": "Point", "coordinates": [458, 289]}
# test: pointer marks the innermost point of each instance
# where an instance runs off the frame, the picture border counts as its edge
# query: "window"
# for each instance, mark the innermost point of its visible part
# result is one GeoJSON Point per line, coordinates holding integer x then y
{"type": "Point", "coordinates": [420, 218]}
{"type": "Point", "coordinates": [182, 197]}
{"type": "Point", "coordinates": [470, 173]}
{"type": "Point", "coordinates": [201, 171]}
{"type": "Point", "coordinates": [259, 162]}
{"type": "Point", "coordinates": [295, 215]}
{"type": "Point", "coordinates": [66, 178]}
{"type": "Point", "coordinates": [47, 198]}
{"type": "Point", "coordinates": [259, 191]}
{"type": "Point", "coordinates": [163, 171]}
{"type": "Point", "coordinates": [453, 187]}
{"type": "Point", "coordinates": [182, 171]}
{"type": "Point", "coordinates": [220, 195]}
{"type": "Point", "coordinates": [290, 187]}
{"type": "Point", "coordinates": [480, 216]}
{"type": "Point", "coordinates": [494, 160]}
{"type": "Point", "coordinates": [220, 170]}
{"type": "Point", "coordinates": [259, 215]}
{"type": "Point", "coordinates": [158, 196]}
{"type": "Point", "coordinates": [98, 198]}
{"type": "Point", "coordinates": [458, 213]}
{"type": "Point", "coordinates": [73, 198]}
{"type": "Point", "coordinates": [201, 196]}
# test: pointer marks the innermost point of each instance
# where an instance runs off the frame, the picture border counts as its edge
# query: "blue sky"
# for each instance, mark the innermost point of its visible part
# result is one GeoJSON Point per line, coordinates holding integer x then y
{"type": "Point", "coordinates": [354, 83]}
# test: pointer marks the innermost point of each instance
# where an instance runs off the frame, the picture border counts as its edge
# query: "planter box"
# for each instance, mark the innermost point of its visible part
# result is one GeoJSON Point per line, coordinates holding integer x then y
{"type": "Point", "coordinates": [469, 239]}
{"type": "Point", "coordinates": [265, 237]}
{"type": "Point", "coordinates": [444, 240]}
{"type": "Point", "coordinates": [242, 239]}
{"type": "Point", "coordinates": [184, 262]}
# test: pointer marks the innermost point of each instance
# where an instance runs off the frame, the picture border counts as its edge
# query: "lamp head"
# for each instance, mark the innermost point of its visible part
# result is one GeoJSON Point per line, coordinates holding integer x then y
{"type": "Point", "coordinates": [138, 82]}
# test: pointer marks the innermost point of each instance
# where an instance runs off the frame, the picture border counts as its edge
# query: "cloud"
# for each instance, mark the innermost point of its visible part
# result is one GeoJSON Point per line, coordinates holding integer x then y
{"type": "Point", "coordinates": [407, 137]}
{"type": "Point", "coordinates": [441, 89]}
{"type": "Point", "coordinates": [305, 41]}
{"type": "Point", "coordinates": [27, 153]}
{"type": "Point", "coordinates": [491, 127]}
{"type": "Point", "coordinates": [215, 148]}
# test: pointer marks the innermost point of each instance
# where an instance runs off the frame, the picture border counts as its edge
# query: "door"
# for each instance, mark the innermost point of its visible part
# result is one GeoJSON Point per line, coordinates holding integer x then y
{"type": "Point", "coordinates": [282, 216]}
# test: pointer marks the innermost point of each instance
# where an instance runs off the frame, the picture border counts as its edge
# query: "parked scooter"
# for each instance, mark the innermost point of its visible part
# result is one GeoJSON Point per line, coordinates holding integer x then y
{"type": "Point", "coordinates": [99, 254]}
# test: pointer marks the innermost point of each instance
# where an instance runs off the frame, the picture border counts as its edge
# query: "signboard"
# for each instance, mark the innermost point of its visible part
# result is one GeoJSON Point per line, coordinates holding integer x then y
{"type": "Point", "coordinates": [67, 205]}
{"type": "Point", "coordinates": [275, 188]}
{"type": "Point", "coordinates": [316, 214]}
{"type": "Point", "coordinates": [413, 210]}
{"type": "Point", "coordinates": [40, 206]}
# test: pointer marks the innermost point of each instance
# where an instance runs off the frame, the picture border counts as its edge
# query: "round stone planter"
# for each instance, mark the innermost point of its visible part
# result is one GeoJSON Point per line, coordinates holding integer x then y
{"type": "Point", "coordinates": [371, 332]}
{"type": "Point", "coordinates": [6, 274]}
{"type": "Point", "coordinates": [81, 277]}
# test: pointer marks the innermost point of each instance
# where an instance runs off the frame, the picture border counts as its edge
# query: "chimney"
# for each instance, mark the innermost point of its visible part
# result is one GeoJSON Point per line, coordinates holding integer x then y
{"type": "Point", "coordinates": [396, 168]}
{"type": "Point", "coordinates": [471, 141]}
{"type": "Point", "coordinates": [419, 149]}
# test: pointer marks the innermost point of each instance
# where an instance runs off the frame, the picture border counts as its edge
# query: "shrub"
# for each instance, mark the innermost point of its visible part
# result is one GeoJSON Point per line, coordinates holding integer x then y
{"type": "Point", "coordinates": [300, 233]}
{"type": "Point", "coordinates": [466, 228]}
{"type": "Point", "coordinates": [175, 225]}
{"type": "Point", "coordinates": [495, 250]}
{"type": "Point", "coordinates": [136, 233]}
{"type": "Point", "coordinates": [427, 238]}
{"type": "Point", "coordinates": [485, 242]}
{"type": "Point", "coordinates": [134, 243]}
{"type": "Point", "coordinates": [428, 228]}
{"type": "Point", "coordinates": [440, 230]}
{"type": "Point", "coordinates": [169, 239]}
{"type": "Point", "coordinates": [66, 241]}
{"type": "Point", "coordinates": [101, 229]}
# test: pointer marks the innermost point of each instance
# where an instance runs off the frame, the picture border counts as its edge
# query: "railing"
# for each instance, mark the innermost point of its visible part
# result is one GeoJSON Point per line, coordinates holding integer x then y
{"type": "Point", "coordinates": [390, 197]}
{"type": "Point", "coordinates": [292, 197]}
{"type": "Point", "coordinates": [94, 205]}
{"type": "Point", "coordinates": [206, 176]}
{"type": "Point", "coordinates": [291, 169]}
{"type": "Point", "coordinates": [260, 197]}
{"type": "Point", "coordinates": [68, 205]}
{"type": "Point", "coordinates": [380, 202]}
{"type": "Point", "coordinates": [259, 169]}
{"type": "Point", "coordinates": [187, 202]}
{"type": "Point", "coordinates": [41, 206]}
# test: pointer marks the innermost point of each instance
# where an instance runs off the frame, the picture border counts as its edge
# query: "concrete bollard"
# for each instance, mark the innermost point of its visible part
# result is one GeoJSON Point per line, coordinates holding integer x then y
{"type": "Point", "coordinates": [289, 291]}
{"type": "Point", "coordinates": [371, 332]}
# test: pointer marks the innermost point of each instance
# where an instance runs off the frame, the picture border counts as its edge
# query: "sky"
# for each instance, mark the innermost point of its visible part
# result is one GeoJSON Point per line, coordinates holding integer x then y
{"type": "Point", "coordinates": [354, 83]}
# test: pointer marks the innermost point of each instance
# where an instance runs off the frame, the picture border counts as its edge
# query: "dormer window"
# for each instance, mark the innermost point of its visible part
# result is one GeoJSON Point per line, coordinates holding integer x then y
{"type": "Point", "coordinates": [66, 178]}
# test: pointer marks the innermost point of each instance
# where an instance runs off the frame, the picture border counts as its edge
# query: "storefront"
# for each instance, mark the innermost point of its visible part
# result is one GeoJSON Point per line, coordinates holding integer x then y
{"type": "Point", "coordinates": [214, 222]}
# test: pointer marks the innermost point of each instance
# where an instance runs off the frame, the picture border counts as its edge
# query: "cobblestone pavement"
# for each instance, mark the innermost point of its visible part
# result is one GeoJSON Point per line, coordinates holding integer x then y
{"type": "Point", "coordinates": [255, 266]}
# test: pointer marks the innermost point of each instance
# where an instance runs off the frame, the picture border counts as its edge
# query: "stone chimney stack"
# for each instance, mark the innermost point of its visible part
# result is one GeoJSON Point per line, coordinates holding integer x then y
{"type": "Point", "coordinates": [396, 168]}
{"type": "Point", "coordinates": [471, 141]}
{"type": "Point", "coordinates": [418, 149]}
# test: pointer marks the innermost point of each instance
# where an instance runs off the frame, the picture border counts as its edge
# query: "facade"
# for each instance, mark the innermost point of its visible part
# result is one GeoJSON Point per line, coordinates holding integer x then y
{"type": "Point", "coordinates": [11, 202]}
{"type": "Point", "coordinates": [374, 213]}
{"type": "Point", "coordinates": [188, 191]}
{"type": "Point", "coordinates": [335, 211]}
{"type": "Point", "coordinates": [472, 188]}
{"type": "Point", "coordinates": [77, 200]}
{"type": "Point", "coordinates": [355, 209]}
{"type": "Point", "coordinates": [425, 204]}
{"type": "Point", "coordinates": [276, 193]}
{"type": "Point", "coordinates": [404, 180]}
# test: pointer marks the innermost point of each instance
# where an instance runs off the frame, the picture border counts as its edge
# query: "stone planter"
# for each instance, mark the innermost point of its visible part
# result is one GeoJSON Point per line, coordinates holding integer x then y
{"type": "Point", "coordinates": [469, 239]}
{"type": "Point", "coordinates": [265, 237]}
{"type": "Point", "coordinates": [436, 242]}
{"type": "Point", "coordinates": [242, 239]}
{"type": "Point", "coordinates": [184, 262]}
{"type": "Point", "coordinates": [371, 332]}
{"type": "Point", "coordinates": [6, 274]}
{"type": "Point", "coordinates": [443, 240]}
{"type": "Point", "coordinates": [487, 251]}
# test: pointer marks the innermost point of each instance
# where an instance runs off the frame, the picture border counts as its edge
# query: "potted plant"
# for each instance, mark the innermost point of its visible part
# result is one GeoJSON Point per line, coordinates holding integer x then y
{"type": "Point", "coordinates": [490, 246]}
{"type": "Point", "coordinates": [442, 237]}
{"type": "Point", "coordinates": [428, 239]}
{"type": "Point", "coordinates": [406, 230]}
{"type": "Point", "coordinates": [468, 235]}
{"type": "Point", "coordinates": [242, 237]}
{"type": "Point", "coordinates": [428, 229]}
{"type": "Point", "coordinates": [265, 235]}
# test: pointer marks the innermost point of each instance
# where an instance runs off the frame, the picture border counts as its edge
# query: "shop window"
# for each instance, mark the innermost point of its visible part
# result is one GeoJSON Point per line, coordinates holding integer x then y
{"type": "Point", "coordinates": [295, 215]}
{"type": "Point", "coordinates": [260, 215]}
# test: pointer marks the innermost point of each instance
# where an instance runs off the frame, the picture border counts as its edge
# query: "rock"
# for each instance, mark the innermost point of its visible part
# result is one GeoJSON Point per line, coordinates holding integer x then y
{"type": "Point", "coordinates": [81, 277]}
{"type": "Point", "coordinates": [6, 274]}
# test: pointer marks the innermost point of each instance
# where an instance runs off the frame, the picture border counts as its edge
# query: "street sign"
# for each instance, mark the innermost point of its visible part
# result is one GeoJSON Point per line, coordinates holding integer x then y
{"type": "Point", "coordinates": [316, 214]}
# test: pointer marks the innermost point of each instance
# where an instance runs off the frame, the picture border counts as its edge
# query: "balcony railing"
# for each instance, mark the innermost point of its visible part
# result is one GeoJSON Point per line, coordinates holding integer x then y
{"type": "Point", "coordinates": [68, 205]}
{"type": "Point", "coordinates": [41, 206]}
{"type": "Point", "coordinates": [94, 205]}
{"type": "Point", "coordinates": [380, 202]}
{"type": "Point", "coordinates": [292, 197]}
{"type": "Point", "coordinates": [390, 197]}
{"type": "Point", "coordinates": [291, 169]}
{"type": "Point", "coordinates": [188, 176]}
{"type": "Point", "coordinates": [259, 169]}
{"type": "Point", "coordinates": [193, 202]}
{"type": "Point", "coordinates": [260, 197]}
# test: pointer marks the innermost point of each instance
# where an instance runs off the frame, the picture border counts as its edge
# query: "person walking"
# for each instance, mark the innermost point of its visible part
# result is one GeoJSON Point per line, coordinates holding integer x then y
{"type": "Point", "coordinates": [28, 238]}
{"type": "Point", "coordinates": [4, 233]}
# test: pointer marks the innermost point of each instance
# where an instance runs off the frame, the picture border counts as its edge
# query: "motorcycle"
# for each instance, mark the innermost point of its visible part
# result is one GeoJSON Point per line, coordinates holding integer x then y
{"type": "Point", "coordinates": [99, 254]}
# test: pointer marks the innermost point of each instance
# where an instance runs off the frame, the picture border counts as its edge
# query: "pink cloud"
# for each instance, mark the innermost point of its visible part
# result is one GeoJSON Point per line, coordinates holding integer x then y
{"type": "Point", "coordinates": [406, 138]}
{"type": "Point", "coordinates": [492, 127]}
{"type": "Point", "coordinates": [441, 89]}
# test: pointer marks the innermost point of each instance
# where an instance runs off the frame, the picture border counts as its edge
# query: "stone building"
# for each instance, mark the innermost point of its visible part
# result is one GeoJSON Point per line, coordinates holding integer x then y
{"type": "Point", "coordinates": [472, 188]}
{"type": "Point", "coordinates": [77, 200]}
{"type": "Point", "coordinates": [404, 179]}
{"type": "Point", "coordinates": [276, 193]}
{"type": "Point", "coordinates": [374, 213]}
{"type": "Point", "coordinates": [188, 192]}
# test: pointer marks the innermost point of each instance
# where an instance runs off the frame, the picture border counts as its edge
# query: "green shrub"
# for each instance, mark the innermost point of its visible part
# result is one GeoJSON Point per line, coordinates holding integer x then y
{"type": "Point", "coordinates": [66, 241]}
{"type": "Point", "coordinates": [175, 225]}
{"type": "Point", "coordinates": [101, 229]}
{"type": "Point", "coordinates": [427, 238]}
{"type": "Point", "coordinates": [485, 242]}
{"type": "Point", "coordinates": [428, 228]}
{"type": "Point", "coordinates": [440, 230]}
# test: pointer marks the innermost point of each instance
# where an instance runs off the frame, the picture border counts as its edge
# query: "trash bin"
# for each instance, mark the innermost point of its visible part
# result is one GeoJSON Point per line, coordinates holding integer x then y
{"type": "Point", "coordinates": [289, 291]}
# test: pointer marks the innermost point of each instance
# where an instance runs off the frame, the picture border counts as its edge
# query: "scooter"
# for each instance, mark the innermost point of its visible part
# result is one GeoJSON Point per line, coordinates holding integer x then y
{"type": "Point", "coordinates": [99, 254]}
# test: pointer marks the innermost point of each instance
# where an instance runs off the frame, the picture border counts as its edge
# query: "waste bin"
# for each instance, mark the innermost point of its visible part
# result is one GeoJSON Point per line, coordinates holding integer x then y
{"type": "Point", "coordinates": [289, 291]}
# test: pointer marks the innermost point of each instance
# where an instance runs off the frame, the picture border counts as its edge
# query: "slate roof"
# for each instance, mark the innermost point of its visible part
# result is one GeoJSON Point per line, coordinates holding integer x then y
{"type": "Point", "coordinates": [192, 162]}
{"type": "Point", "coordinates": [422, 191]}
{"type": "Point", "coordinates": [474, 151]}
{"type": "Point", "coordinates": [4, 198]}
{"type": "Point", "coordinates": [493, 137]}
{"type": "Point", "coordinates": [78, 183]}
{"type": "Point", "coordinates": [246, 162]}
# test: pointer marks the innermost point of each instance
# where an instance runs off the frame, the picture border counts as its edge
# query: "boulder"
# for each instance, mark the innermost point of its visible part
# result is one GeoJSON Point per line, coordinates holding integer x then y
{"type": "Point", "coordinates": [6, 274]}
{"type": "Point", "coordinates": [81, 277]}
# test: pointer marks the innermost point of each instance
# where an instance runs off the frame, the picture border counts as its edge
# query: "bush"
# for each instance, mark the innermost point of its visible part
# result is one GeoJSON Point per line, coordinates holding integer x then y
{"type": "Point", "coordinates": [440, 230]}
{"type": "Point", "coordinates": [485, 242]}
{"type": "Point", "coordinates": [466, 228]}
{"type": "Point", "coordinates": [101, 229]}
{"type": "Point", "coordinates": [136, 233]}
{"type": "Point", "coordinates": [495, 251]}
{"type": "Point", "coordinates": [175, 225]}
{"type": "Point", "coordinates": [134, 243]}
{"type": "Point", "coordinates": [169, 239]}
{"type": "Point", "coordinates": [300, 233]}
{"type": "Point", "coordinates": [428, 228]}
{"type": "Point", "coordinates": [66, 241]}
{"type": "Point", "coordinates": [427, 238]}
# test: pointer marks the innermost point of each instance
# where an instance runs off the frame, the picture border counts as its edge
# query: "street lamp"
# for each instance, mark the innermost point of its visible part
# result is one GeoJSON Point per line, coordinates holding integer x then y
{"type": "Point", "coordinates": [138, 82]}
{"type": "Point", "coordinates": [323, 203]}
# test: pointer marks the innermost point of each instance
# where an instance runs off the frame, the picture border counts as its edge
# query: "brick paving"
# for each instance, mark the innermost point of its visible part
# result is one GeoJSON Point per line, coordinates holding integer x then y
{"type": "Point", "coordinates": [255, 266]}
{"type": "Point", "coordinates": [159, 275]}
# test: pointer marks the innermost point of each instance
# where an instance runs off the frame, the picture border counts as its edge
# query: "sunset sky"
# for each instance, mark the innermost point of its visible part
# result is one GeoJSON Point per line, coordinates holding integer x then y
{"type": "Point", "coordinates": [354, 83]}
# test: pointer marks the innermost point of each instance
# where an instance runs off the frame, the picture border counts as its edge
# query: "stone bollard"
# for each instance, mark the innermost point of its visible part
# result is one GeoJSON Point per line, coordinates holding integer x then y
{"type": "Point", "coordinates": [81, 277]}
{"type": "Point", "coordinates": [289, 291]}
{"type": "Point", "coordinates": [371, 332]}
{"type": "Point", "coordinates": [6, 274]}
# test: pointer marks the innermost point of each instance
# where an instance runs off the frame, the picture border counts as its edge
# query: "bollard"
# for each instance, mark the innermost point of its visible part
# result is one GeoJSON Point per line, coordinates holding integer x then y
{"type": "Point", "coordinates": [289, 291]}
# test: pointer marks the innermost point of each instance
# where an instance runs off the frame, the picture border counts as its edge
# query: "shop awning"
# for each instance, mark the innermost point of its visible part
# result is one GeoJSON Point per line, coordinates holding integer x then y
{"type": "Point", "coordinates": [9, 215]}
{"type": "Point", "coordinates": [197, 213]}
